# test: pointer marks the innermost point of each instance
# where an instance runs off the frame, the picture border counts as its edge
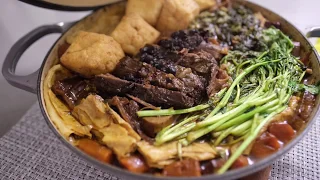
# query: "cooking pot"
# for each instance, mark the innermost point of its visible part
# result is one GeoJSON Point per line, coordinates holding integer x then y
{"type": "Point", "coordinates": [34, 82]}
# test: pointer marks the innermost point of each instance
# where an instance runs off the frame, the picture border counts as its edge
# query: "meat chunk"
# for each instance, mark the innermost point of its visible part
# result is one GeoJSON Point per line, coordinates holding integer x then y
{"type": "Point", "coordinates": [219, 79]}
{"type": "Point", "coordinates": [209, 167]}
{"type": "Point", "coordinates": [149, 10]}
{"type": "Point", "coordinates": [200, 62]}
{"type": "Point", "coordinates": [215, 50]}
{"type": "Point", "coordinates": [166, 61]}
{"type": "Point", "coordinates": [72, 90]}
{"type": "Point", "coordinates": [134, 163]}
{"type": "Point", "coordinates": [143, 73]}
{"type": "Point", "coordinates": [91, 54]}
{"type": "Point", "coordinates": [283, 131]}
{"type": "Point", "coordinates": [242, 161]}
{"type": "Point", "coordinates": [111, 85]}
{"type": "Point", "coordinates": [153, 125]}
{"type": "Point", "coordinates": [95, 150]}
{"type": "Point", "coordinates": [205, 4]}
{"type": "Point", "coordinates": [265, 145]}
{"type": "Point", "coordinates": [162, 97]}
{"type": "Point", "coordinates": [176, 15]}
{"type": "Point", "coordinates": [128, 110]}
{"type": "Point", "coordinates": [133, 32]}
{"type": "Point", "coordinates": [185, 168]}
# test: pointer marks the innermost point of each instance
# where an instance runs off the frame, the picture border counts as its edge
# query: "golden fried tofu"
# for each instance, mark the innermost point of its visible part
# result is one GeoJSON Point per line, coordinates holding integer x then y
{"type": "Point", "coordinates": [176, 15]}
{"type": "Point", "coordinates": [133, 32]}
{"type": "Point", "coordinates": [91, 54]}
{"type": "Point", "coordinates": [205, 4]}
{"type": "Point", "coordinates": [149, 10]}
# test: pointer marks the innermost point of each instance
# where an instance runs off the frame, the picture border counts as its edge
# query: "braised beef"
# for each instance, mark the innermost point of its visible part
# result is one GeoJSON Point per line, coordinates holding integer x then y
{"type": "Point", "coordinates": [210, 166]}
{"type": "Point", "coordinates": [265, 145]}
{"type": "Point", "coordinates": [143, 73]}
{"type": "Point", "coordinates": [215, 50]}
{"type": "Point", "coordinates": [110, 85]}
{"type": "Point", "coordinates": [145, 104]}
{"type": "Point", "coordinates": [184, 168]}
{"type": "Point", "coordinates": [219, 79]}
{"type": "Point", "coordinates": [162, 97]}
{"type": "Point", "coordinates": [128, 111]}
{"type": "Point", "coordinates": [166, 61]}
{"type": "Point", "coordinates": [199, 61]}
{"type": "Point", "coordinates": [72, 90]}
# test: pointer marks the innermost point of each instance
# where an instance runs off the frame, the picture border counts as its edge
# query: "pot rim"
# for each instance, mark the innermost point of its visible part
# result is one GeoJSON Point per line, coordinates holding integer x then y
{"type": "Point", "coordinates": [233, 174]}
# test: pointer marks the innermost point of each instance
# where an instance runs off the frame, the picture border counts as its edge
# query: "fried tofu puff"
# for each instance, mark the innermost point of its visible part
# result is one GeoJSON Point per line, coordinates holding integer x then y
{"type": "Point", "coordinates": [133, 32]}
{"type": "Point", "coordinates": [176, 15]}
{"type": "Point", "coordinates": [205, 4]}
{"type": "Point", "coordinates": [91, 54]}
{"type": "Point", "coordinates": [149, 10]}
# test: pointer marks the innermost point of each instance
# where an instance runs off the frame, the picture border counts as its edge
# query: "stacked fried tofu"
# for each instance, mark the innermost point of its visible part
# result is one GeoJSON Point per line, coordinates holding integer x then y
{"type": "Point", "coordinates": [143, 23]}
{"type": "Point", "coordinates": [146, 20]}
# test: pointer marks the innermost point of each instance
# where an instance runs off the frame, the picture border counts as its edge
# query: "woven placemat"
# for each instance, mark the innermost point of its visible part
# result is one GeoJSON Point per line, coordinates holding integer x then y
{"type": "Point", "coordinates": [31, 151]}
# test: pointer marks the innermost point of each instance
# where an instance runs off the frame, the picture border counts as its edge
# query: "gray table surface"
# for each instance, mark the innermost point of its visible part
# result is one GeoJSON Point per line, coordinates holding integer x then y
{"type": "Point", "coordinates": [31, 151]}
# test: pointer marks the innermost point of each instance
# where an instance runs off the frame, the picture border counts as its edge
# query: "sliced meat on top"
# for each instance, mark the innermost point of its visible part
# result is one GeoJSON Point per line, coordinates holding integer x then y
{"type": "Point", "coordinates": [128, 110]}
{"type": "Point", "coordinates": [215, 50]}
{"type": "Point", "coordinates": [219, 79]}
{"type": "Point", "coordinates": [143, 73]}
{"type": "Point", "coordinates": [108, 84]}
{"type": "Point", "coordinates": [199, 61]}
{"type": "Point", "coordinates": [166, 61]}
{"type": "Point", "coordinates": [72, 90]}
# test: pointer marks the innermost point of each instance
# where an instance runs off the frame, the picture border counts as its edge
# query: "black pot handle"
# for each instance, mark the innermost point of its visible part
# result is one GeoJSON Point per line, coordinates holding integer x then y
{"type": "Point", "coordinates": [28, 82]}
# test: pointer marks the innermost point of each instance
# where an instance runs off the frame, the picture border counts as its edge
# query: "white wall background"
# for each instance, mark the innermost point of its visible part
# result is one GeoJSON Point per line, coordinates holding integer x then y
{"type": "Point", "coordinates": [17, 19]}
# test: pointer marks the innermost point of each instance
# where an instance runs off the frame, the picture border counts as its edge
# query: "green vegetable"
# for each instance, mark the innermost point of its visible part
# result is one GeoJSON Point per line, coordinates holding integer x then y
{"type": "Point", "coordinates": [166, 112]}
{"type": "Point", "coordinates": [313, 89]}
{"type": "Point", "coordinates": [252, 136]}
